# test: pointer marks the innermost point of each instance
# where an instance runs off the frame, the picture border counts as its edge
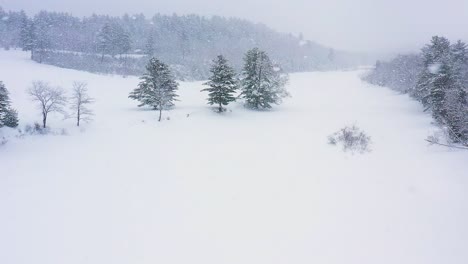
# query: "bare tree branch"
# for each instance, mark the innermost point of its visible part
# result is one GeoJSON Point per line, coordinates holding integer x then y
{"type": "Point", "coordinates": [80, 99]}
{"type": "Point", "coordinates": [445, 145]}
{"type": "Point", "coordinates": [49, 99]}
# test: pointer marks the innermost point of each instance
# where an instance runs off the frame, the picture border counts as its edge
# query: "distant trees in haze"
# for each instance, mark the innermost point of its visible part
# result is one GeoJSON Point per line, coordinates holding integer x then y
{"type": "Point", "coordinates": [185, 43]}
{"type": "Point", "coordinates": [35, 36]}
{"type": "Point", "coordinates": [113, 40]}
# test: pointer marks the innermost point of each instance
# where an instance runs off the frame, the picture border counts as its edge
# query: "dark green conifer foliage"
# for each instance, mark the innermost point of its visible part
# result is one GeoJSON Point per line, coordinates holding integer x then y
{"type": "Point", "coordinates": [157, 88]}
{"type": "Point", "coordinates": [8, 116]}
{"type": "Point", "coordinates": [262, 83]}
{"type": "Point", "coordinates": [222, 84]}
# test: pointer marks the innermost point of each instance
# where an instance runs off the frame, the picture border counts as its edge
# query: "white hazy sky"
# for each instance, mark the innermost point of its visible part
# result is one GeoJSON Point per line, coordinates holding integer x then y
{"type": "Point", "coordinates": [355, 25]}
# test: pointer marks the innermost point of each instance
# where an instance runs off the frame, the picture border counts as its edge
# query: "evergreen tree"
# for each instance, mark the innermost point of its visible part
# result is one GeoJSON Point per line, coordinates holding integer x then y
{"type": "Point", "coordinates": [4, 98]}
{"type": "Point", "coordinates": [27, 36]}
{"type": "Point", "coordinates": [10, 119]}
{"type": "Point", "coordinates": [262, 83]}
{"type": "Point", "coordinates": [456, 101]}
{"type": "Point", "coordinates": [150, 47]}
{"type": "Point", "coordinates": [42, 38]}
{"type": "Point", "coordinates": [222, 83]}
{"type": "Point", "coordinates": [441, 83]}
{"type": "Point", "coordinates": [434, 55]}
{"type": "Point", "coordinates": [112, 40]}
{"type": "Point", "coordinates": [459, 58]}
{"type": "Point", "coordinates": [8, 116]}
{"type": "Point", "coordinates": [122, 40]}
{"type": "Point", "coordinates": [157, 88]}
{"type": "Point", "coordinates": [105, 41]}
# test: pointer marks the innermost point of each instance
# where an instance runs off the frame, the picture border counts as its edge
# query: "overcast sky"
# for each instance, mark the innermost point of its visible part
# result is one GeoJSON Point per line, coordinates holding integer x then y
{"type": "Point", "coordinates": [355, 25]}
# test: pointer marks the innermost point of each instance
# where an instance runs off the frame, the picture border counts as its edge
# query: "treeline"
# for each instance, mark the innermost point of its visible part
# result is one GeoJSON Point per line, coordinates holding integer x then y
{"type": "Point", "coordinates": [438, 78]}
{"type": "Point", "coordinates": [101, 43]}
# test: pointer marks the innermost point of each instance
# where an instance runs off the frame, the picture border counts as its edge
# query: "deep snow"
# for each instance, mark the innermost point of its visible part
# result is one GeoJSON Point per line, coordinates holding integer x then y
{"type": "Point", "coordinates": [243, 187]}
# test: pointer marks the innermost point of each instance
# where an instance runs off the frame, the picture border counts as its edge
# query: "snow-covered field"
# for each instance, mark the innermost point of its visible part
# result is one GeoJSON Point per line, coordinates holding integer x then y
{"type": "Point", "coordinates": [244, 187]}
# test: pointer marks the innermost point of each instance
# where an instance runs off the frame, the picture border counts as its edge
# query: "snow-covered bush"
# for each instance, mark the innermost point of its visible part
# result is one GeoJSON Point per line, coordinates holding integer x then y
{"type": "Point", "coordinates": [3, 141]}
{"type": "Point", "coordinates": [352, 139]}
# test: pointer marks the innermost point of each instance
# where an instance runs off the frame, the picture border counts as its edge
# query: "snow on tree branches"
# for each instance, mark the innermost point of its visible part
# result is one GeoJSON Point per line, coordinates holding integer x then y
{"type": "Point", "coordinates": [49, 99]}
{"type": "Point", "coordinates": [262, 83]}
{"type": "Point", "coordinates": [222, 84]}
{"type": "Point", "coordinates": [438, 78]}
{"type": "Point", "coordinates": [157, 88]}
{"type": "Point", "coordinates": [80, 101]}
{"type": "Point", "coordinates": [8, 115]}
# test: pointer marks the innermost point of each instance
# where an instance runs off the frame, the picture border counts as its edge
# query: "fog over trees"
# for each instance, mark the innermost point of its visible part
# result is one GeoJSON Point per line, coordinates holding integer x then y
{"type": "Point", "coordinates": [122, 45]}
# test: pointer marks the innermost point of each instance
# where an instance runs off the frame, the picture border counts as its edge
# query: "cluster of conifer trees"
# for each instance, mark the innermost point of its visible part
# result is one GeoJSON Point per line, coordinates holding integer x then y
{"type": "Point", "coordinates": [186, 43]}
{"type": "Point", "coordinates": [438, 78]}
{"type": "Point", "coordinates": [261, 84]}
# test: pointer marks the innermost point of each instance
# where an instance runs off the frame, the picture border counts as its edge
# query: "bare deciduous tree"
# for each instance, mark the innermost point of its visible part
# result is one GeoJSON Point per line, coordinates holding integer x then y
{"type": "Point", "coordinates": [80, 99]}
{"type": "Point", "coordinates": [49, 99]}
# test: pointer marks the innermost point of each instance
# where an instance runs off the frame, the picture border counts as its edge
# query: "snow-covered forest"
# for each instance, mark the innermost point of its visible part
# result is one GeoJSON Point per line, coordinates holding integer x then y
{"type": "Point", "coordinates": [214, 138]}
{"type": "Point", "coordinates": [438, 78]}
{"type": "Point", "coordinates": [105, 44]}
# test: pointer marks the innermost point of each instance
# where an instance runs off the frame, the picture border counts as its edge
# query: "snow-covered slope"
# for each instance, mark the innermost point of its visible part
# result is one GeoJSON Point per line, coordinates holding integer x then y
{"type": "Point", "coordinates": [244, 187]}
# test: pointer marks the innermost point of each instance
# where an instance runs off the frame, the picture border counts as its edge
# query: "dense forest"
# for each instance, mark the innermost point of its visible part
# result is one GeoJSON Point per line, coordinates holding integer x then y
{"type": "Point", "coordinates": [188, 43]}
{"type": "Point", "coordinates": [438, 78]}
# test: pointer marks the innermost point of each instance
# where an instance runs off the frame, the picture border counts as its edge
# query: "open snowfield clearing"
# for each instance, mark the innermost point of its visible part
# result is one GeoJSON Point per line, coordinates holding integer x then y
{"type": "Point", "coordinates": [243, 187]}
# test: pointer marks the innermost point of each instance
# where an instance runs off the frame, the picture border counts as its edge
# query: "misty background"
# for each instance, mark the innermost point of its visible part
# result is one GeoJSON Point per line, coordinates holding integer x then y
{"type": "Point", "coordinates": [359, 26]}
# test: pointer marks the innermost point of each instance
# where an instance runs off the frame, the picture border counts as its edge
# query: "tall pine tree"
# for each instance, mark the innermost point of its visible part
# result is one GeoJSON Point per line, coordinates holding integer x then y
{"type": "Point", "coordinates": [435, 55]}
{"type": "Point", "coordinates": [157, 88]}
{"type": "Point", "coordinates": [8, 116]}
{"type": "Point", "coordinates": [222, 84]}
{"type": "Point", "coordinates": [456, 101]}
{"type": "Point", "coordinates": [27, 36]}
{"type": "Point", "coordinates": [150, 45]}
{"type": "Point", "coordinates": [442, 86]}
{"type": "Point", "coordinates": [262, 83]}
{"type": "Point", "coordinates": [42, 39]}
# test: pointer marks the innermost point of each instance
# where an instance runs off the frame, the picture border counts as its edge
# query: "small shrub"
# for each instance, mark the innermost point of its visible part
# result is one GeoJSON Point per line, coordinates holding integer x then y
{"type": "Point", "coordinates": [37, 128]}
{"type": "Point", "coordinates": [351, 139]}
{"type": "Point", "coordinates": [28, 129]}
{"type": "Point", "coordinates": [3, 141]}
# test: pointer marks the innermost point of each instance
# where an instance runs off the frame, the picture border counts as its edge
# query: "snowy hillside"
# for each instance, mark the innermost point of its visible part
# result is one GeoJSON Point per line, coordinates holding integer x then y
{"type": "Point", "coordinates": [244, 187]}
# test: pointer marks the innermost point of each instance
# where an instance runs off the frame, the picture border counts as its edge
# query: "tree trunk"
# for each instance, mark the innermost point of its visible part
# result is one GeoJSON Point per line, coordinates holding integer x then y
{"type": "Point", "coordinates": [78, 116]}
{"type": "Point", "coordinates": [160, 114]}
{"type": "Point", "coordinates": [44, 120]}
{"type": "Point", "coordinates": [259, 84]}
{"type": "Point", "coordinates": [220, 108]}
